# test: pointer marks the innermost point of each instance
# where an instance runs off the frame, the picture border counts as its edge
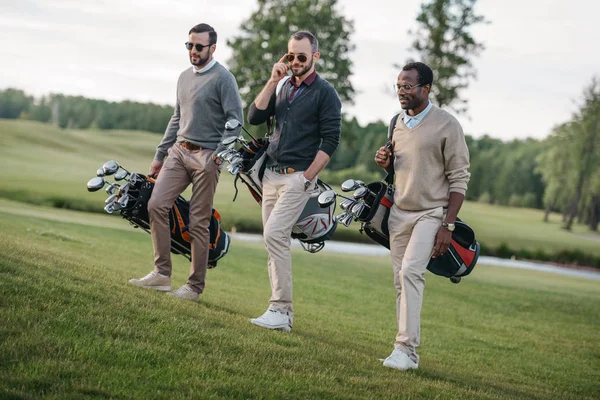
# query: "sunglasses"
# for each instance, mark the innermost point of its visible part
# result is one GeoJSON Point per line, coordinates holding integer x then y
{"type": "Point", "coordinates": [301, 57]}
{"type": "Point", "coordinates": [198, 46]}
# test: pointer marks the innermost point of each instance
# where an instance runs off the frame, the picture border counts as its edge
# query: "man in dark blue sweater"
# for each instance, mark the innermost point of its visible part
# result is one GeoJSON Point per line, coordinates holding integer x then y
{"type": "Point", "coordinates": [308, 122]}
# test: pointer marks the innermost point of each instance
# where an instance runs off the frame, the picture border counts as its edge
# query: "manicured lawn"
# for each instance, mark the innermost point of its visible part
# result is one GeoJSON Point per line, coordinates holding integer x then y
{"type": "Point", "coordinates": [73, 328]}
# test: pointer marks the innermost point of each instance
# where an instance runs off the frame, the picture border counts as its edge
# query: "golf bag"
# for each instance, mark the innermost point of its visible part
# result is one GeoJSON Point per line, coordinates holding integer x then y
{"type": "Point", "coordinates": [136, 212]}
{"type": "Point", "coordinates": [315, 225]}
{"type": "Point", "coordinates": [458, 261]}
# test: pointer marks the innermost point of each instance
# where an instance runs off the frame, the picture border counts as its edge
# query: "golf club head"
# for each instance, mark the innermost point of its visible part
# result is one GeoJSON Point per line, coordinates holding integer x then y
{"type": "Point", "coordinates": [326, 198]}
{"type": "Point", "coordinates": [124, 200]}
{"type": "Point", "coordinates": [111, 199]}
{"type": "Point", "coordinates": [95, 184]}
{"type": "Point", "coordinates": [346, 204]}
{"type": "Point", "coordinates": [357, 208]}
{"type": "Point", "coordinates": [123, 189]}
{"type": "Point", "coordinates": [116, 206]}
{"type": "Point", "coordinates": [100, 172]}
{"type": "Point", "coordinates": [109, 208]}
{"type": "Point", "coordinates": [230, 141]}
{"type": "Point", "coordinates": [341, 216]}
{"type": "Point", "coordinates": [110, 167]}
{"type": "Point", "coordinates": [350, 185]}
{"type": "Point", "coordinates": [232, 124]}
{"type": "Point", "coordinates": [348, 220]}
{"type": "Point", "coordinates": [361, 192]}
{"type": "Point", "coordinates": [110, 189]}
{"type": "Point", "coordinates": [121, 174]}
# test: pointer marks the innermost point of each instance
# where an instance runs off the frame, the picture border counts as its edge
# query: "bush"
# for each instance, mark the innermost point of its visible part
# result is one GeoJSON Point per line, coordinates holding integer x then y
{"type": "Point", "coordinates": [485, 198]}
{"type": "Point", "coordinates": [359, 172]}
{"type": "Point", "coordinates": [515, 200]}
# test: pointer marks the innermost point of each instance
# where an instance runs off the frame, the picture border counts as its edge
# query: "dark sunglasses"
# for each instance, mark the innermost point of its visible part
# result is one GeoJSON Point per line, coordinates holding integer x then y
{"type": "Point", "coordinates": [198, 46]}
{"type": "Point", "coordinates": [301, 57]}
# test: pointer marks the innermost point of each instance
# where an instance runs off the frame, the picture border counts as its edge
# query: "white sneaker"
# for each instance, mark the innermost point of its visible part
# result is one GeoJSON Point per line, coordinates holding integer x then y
{"type": "Point", "coordinates": [273, 319]}
{"type": "Point", "coordinates": [400, 360]}
{"type": "Point", "coordinates": [186, 293]}
{"type": "Point", "coordinates": [153, 281]}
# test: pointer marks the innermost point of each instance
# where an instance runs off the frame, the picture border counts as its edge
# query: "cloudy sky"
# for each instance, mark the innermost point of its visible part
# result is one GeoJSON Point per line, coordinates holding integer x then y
{"type": "Point", "coordinates": [540, 54]}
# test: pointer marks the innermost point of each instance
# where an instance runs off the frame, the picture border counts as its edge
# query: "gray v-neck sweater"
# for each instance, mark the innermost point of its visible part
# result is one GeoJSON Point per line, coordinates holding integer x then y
{"type": "Point", "coordinates": [205, 102]}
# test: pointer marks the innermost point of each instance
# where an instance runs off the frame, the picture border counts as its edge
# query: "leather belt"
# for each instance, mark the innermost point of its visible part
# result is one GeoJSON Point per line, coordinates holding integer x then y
{"type": "Point", "coordinates": [282, 171]}
{"type": "Point", "coordinates": [190, 146]}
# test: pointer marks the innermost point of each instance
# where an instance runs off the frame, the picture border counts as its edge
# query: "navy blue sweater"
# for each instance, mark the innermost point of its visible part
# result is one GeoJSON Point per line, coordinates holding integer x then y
{"type": "Point", "coordinates": [312, 122]}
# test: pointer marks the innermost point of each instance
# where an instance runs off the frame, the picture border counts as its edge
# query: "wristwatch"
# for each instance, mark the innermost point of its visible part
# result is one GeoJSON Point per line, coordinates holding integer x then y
{"type": "Point", "coordinates": [306, 183]}
{"type": "Point", "coordinates": [448, 226]}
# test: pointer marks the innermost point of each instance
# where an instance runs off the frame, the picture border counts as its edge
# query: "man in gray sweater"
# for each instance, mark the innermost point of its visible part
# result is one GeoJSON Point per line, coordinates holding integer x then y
{"type": "Point", "coordinates": [207, 97]}
{"type": "Point", "coordinates": [308, 120]}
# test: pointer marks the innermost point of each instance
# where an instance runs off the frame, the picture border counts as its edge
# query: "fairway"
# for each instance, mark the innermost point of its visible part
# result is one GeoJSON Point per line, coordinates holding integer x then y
{"type": "Point", "coordinates": [73, 328]}
{"type": "Point", "coordinates": [50, 166]}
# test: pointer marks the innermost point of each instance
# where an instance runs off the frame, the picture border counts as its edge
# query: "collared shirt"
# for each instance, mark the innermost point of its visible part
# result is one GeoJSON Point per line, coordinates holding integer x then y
{"type": "Point", "coordinates": [412, 121]}
{"type": "Point", "coordinates": [206, 67]}
{"type": "Point", "coordinates": [297, 87]}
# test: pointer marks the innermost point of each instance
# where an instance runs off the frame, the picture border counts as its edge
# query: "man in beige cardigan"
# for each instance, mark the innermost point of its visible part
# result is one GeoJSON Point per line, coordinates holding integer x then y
{"type": "Point", "coordinates": [430, 161]}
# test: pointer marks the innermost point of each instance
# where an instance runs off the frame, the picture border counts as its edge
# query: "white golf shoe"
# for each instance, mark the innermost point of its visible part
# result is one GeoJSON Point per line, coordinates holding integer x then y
{"type": "Point", "coordinates": [153, 281]}
{"type": "Point", "coordinates": [186, 293]}
{"type": "Point", "coordinates": [400, 360]}
{"type": "Point", "coordinates": [273, 319]}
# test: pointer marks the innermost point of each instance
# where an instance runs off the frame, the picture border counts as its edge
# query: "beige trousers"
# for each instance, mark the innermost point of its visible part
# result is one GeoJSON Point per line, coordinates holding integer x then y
{"type": "Point", "coordinates": [284, 199]}
{"type": "Point", "coordinates": [181, 168]}
{"type": "Point", "coordinates": [412, 237]}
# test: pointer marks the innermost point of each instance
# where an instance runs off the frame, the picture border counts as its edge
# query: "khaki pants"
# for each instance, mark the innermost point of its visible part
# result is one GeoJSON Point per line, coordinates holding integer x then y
{"type": "Point", "coordinates": [412, 237]}
{"type": "Point", "coordinates": [182, 168]}
{"type": "Point", "coordinates": [283, 201]}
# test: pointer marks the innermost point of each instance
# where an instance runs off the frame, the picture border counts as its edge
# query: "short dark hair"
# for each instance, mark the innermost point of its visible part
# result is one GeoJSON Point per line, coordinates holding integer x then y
{"type": "Point", "coordinates": [212, 35]}
{"type": "Point", "coordinates": [425, 73]}
{"type": "Point", "coordinates": [314, 43]}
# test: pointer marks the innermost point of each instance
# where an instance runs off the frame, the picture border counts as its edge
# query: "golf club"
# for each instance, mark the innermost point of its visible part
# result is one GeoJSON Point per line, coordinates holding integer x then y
{"type": "Point", "coordinates": [121, 174]}
{"type": "Point", "coordinates": [95, 184]}
{"type": "Point", "coordinates": [234, 123]}
{"type": "Point", "coordinates": [110, 167]}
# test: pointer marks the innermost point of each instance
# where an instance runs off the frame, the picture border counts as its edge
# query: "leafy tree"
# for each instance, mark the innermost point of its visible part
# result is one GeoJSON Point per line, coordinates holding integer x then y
{"type": "Point", "coordinates": [13, 102]}
{"type": "Point", "coordinates": [264, 37]}
{"type": "Point", "coordinates": [444, 42]}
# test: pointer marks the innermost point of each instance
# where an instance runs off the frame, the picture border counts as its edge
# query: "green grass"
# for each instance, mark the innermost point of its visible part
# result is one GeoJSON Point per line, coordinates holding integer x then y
{"type": "Point", "coordinates": [48, 166]}
{"type": "Point", "coordinates": [73, 328]}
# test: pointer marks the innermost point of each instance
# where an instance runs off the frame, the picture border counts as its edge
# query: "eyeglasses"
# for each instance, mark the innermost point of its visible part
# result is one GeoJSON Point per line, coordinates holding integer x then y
{"type": "Point", "coordinates": [198, 46]}
{"type": "Point", "coordinates": [301, 57]}
{"type": "Point", "coordinates": [405, 87]}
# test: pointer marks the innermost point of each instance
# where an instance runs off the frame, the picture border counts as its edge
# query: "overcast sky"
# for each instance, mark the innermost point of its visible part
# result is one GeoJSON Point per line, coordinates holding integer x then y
{"type": "Point", "coordinates": [540, 55]}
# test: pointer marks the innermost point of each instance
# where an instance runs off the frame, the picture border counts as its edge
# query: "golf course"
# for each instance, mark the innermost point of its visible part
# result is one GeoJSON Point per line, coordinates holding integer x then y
{"type": "Point", "coordinates": [73, 328]}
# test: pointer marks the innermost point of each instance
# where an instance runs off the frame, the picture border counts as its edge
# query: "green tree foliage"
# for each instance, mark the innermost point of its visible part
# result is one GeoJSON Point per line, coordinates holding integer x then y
{"type": "Point", "coordinates": [264, 36]}
{"type": "Point", "coordinates": [81, 113]}
{"type": "Point", "coordinates": [444, 42]}
{"type": "Point", "coordinates": [13, 102]}
{"type": "Point", "coordinates": [570, 163]}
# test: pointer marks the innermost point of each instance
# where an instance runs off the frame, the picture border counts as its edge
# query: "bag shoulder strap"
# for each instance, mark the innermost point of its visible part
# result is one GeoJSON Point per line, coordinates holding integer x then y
{"type": "Point", "coordinates": [270, 120]}
{"type": "Point", "coordinates": [389, 178]}
{"type": "Point", "coordinates": [392, 126]}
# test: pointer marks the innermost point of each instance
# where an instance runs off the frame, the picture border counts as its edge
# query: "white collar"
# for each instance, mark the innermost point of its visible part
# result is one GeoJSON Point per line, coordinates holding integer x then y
{"type": "Point", "coordinates": [206, 67]}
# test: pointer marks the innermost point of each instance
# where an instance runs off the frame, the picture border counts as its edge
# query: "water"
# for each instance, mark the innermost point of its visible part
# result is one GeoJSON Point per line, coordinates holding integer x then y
{"type": "Point", "coordinates": [364, 249]}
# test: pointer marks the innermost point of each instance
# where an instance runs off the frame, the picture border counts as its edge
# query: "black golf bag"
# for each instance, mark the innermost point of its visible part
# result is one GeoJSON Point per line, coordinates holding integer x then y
{"type": "Point", "coordinates": [136, 212]}
{"type": "Point", "coordinates": [458, 261]}
{"type": "Point", "coordinates": [315, 225]}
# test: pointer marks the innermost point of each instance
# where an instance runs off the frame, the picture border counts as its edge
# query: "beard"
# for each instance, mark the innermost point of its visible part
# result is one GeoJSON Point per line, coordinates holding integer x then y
{"type": "Point", "coordinates": [303, 70]}
{"type": "Point", "coordinates": [201, 60]}
{"type": "Point", "coordinates": [410, 103]}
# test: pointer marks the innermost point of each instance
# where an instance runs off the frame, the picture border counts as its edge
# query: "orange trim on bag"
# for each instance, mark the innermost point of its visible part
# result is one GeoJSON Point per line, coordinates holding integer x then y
{"type": "Point", "coordinates": [184, 235]}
